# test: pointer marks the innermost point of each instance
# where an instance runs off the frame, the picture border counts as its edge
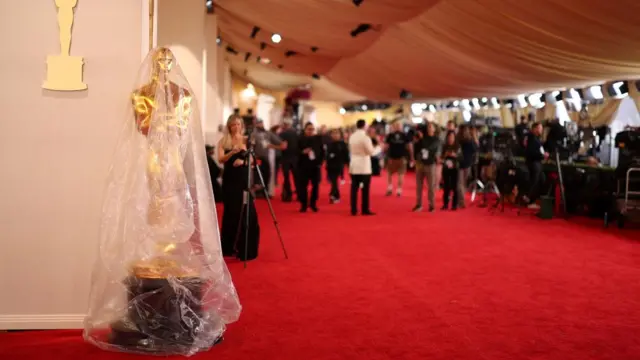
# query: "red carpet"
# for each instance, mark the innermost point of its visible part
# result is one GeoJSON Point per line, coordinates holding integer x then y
{"type": "Point", "coordinates": [454, 286]}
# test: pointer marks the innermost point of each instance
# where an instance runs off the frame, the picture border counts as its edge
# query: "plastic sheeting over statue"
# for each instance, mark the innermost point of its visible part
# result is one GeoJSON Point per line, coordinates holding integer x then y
{"type": "Point", "coordinates": [160, 284]}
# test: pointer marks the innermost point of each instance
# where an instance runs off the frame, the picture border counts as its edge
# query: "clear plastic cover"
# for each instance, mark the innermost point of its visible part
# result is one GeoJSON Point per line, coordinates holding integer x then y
{"type": "Point", "coordinates": [160, 284]}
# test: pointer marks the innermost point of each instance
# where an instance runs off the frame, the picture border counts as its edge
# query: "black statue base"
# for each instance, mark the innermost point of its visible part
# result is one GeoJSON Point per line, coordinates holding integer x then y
{"type": "Point", "coordinates": [165, 317]}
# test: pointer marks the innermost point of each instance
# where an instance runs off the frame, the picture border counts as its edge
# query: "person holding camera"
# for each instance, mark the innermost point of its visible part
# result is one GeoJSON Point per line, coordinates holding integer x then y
{"type": "Point", "coordinates": [534, 155]}
{"type": "Point", "coordinates": [427, 151]}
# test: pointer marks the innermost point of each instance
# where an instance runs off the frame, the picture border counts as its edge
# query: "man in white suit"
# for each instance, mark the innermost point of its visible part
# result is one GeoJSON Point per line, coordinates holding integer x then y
{"type": "Point", "coordinates": [360, 150]}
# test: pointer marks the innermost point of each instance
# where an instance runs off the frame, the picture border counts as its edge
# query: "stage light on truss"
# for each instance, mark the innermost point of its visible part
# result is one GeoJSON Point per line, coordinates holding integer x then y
{"type": "Point", "coordinates": [456, 103]}
{"type": "Point", "coordinates": [476, 103]}
{"type": "Point", "coordinates": [276, 38]}
{"type": "Point", "coordinates": [522, 101]}
{"type": "Point", "coordinates": [342, 111]}
{"type": "Point", "coordinates": [364, 107]}
{"type": "Point", "coordinates": [596, 92]}
{"type": "Point", "coordinates": [465, 104]}
{"type": "Point", "coordinates": [416, 109]}
{"type": "Point", "coordinates": [620, 89]}
{"type": "Point", "coordinates": [209, 5]}
{"type": "Point", "coordinates": [432, 108]}
{"type": "Point", "coordinates": [495, 103]}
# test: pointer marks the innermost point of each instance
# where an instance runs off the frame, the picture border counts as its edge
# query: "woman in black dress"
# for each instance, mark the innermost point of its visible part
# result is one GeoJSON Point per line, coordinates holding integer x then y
{"type": "Point", "coordinates": [231, 152]}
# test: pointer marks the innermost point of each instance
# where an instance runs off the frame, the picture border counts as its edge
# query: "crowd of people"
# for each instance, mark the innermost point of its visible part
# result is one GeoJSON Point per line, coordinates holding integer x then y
{"type": "Point", "coordinates": [441, 158]}
{"type": "Point", "coordinates": [447, 158]}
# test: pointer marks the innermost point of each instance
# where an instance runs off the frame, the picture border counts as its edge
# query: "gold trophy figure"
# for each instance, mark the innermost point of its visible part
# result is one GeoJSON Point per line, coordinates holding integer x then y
{"type": "Point", "coordinates": [162, 111]}
{"type": "Point", "coordinates": [165, 313]}
{"type": "Point", "coordinates": [64, 72]}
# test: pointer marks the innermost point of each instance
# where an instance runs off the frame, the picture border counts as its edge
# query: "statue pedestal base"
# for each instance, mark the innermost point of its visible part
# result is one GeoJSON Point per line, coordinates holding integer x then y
{"type": "Point", "coordinates": [64, 73]}
{"type": "Point", "coordinates": [164, 317]}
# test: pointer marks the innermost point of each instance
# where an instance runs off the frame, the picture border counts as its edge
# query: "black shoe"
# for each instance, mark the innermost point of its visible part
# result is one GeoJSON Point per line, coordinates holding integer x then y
{"type": "Point", "coordinates": [303, 209]}
{"type": "Point", "coordinates": [454, 208]}
{"type": "Point", "coordinates": [432, 209]}
{"type": "Point", "coordinates": [445, 207]}
{"type": "Point", "coordinates": [354, 213]}
{"type": "Point", "coordinates": [314, 208]}
{"type": "Point", "coordinates": [368, 213]}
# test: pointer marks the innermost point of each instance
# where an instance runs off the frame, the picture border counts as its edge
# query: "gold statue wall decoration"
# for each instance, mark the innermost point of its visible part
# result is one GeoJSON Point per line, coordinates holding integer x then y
{"type": "Point", "coordinates": [64, 72]}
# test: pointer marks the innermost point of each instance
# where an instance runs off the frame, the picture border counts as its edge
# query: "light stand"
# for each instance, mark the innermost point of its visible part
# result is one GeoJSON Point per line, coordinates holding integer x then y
{"type": "Point", "coordinates": [248, 197]}
{"type": "Point", "coordinates": [561, 181]}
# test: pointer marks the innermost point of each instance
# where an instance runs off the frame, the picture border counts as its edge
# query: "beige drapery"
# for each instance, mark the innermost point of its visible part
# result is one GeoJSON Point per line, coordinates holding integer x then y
{"type": "Point", "coordinates": [438, 49]}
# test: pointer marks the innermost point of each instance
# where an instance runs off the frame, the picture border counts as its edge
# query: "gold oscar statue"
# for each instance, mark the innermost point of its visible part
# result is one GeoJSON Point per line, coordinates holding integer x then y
{"type": "Point", "coordinates": [64, 72]}
{"type": "Point", "coordinates": [159, 280]}
{"type": "Point", "coordinates": [162, 110]}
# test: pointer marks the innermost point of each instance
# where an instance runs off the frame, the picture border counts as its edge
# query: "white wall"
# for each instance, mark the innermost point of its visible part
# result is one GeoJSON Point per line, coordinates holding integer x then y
{"type": "Point", "coordinates": [56, 148]}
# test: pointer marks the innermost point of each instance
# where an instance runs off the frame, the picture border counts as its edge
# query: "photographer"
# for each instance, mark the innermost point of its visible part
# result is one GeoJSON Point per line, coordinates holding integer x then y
{"type": "Point", "coordinates": [534, 155]}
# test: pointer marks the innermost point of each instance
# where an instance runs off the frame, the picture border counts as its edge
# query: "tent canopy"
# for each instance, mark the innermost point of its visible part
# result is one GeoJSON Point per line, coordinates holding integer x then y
{"type": "Point", "coordinates": [434, 49]}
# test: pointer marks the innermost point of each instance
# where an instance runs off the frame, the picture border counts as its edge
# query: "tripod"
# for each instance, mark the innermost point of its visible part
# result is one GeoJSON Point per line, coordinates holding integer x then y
{"type": "Point", "coordinates": [248, 197]}
{"type": "Point", "coordinates": [561, 182]}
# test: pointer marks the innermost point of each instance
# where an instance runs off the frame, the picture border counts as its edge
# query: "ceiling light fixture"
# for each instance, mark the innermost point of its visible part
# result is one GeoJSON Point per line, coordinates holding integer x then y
{"type": "Point", "coordinates": [343, 111]}
{"type": "Point", "coordinates": [290, 53]}
{"type": "Point", "coordinates": [315, 76]}
{"type": "Point", "coordinates": [209, 5]}
{"type": "Point", "coordinates": [276, 38]}
{"type": "Point", "coordinates": [357, 2]}
{"type": "Point", "coordinates": [263, 45]}
{"type": "Point", "coordinates": [255, 32]}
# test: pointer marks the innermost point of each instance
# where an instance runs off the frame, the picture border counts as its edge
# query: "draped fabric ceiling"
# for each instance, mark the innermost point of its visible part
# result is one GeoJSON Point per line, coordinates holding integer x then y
{"type": "Point", "coordinates": [435, 49]}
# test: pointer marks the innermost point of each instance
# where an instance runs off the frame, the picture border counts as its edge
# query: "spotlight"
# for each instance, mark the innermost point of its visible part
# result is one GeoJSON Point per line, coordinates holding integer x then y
{"type": "Point", "coordinates": [495, 103]}
{"type": "Point", "coordinates": [404, 94]}
{"type": "Point", "coordinates": [263, 45]}
{"type": "Point", "coordinates": [209, 5]}
{"type": "Point", "coordinates": [246, 57]}
{"type": "Point", "coordinates": [536, 100]}
{"type": "Point", "coordinates": [558, 95]}
{"type": "Point", "coordinates": [290, 53]}
{"type": "Point", "coordinates": [618, 89]}
{"type": "Point", "coordinates": [362, 28]}
{"type": "Point", "coordinates": [218, 41]}
{"type": "Point", "coordinates": [265, 61]}
{"type": "Point", "coordinates": [357, 2]}
{"type": "Point", "coordinates": [456, 103]}
{"type": "Point", "coordinates": [276, 38]}
{"type": "Point", "coordinates": [314, 48]}
{"type": "Point", "coordinates": [522, 101]}
{"type": "Point", "coordinates": [364, 107]}
{"type": "Point", "coordinates": [432, 108]}
{"type": "Point", "coordinates": [343, 111]}
{"type": "Point", "coordinates": [315, 76]}
{"type": "Point", "coordinates": [596, 92]}
{"type": "Point", "coordinates": [476, 103]}
{"type": "Point", "coordinates": [255, 32]}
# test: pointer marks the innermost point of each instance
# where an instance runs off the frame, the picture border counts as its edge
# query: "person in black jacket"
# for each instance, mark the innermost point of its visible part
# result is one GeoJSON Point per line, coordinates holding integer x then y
{"type": "Point", "coordinates": [534, 155]}
{"type": "Point", "coordinates": [309, 164]}
{"type": "Point", "coordinates": [427, 152]}
{"type": "Point", "coordinates": [450, 151]}
{"type": "Point", "coordinates": [337, 158]}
